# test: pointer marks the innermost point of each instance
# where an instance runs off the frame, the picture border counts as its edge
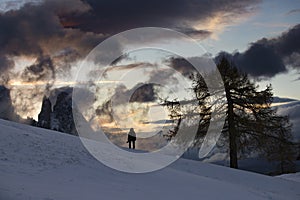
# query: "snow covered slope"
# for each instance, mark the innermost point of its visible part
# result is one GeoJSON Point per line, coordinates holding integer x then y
{"type": "Point", "coordinates": [293, 177]}
{"type": "Point", "coordinates": [42, 164]}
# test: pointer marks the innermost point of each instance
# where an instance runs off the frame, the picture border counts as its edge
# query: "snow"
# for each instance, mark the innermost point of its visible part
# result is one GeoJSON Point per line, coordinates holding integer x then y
{"type": "Point", "coordinates": [293, 177]}
{"type": "Point", "coordinates": [42, 164]}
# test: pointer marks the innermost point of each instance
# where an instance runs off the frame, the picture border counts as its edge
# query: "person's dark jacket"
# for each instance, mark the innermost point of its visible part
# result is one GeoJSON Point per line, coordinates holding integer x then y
{"type": "Point", "coordinates": [131, 136]}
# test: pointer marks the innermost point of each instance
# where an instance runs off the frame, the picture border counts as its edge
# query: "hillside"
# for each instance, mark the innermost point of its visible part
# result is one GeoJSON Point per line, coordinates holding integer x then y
{"type": "Point", "coordinates": [42, 164]}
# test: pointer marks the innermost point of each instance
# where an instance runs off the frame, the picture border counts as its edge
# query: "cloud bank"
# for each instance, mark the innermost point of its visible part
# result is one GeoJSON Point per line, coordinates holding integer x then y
{"type": "Point", "coordinates": [267, 57]}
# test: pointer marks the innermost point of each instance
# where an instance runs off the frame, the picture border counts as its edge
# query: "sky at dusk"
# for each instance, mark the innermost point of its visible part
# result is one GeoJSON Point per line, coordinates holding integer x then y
{"type": "Point", "coordinates": [43, 42]}
{"type": "Point", "coordinates": [269, 20]}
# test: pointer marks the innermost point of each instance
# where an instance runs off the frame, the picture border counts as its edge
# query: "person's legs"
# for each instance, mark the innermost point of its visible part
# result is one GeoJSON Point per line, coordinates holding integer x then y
{"type": "Point", "coordinates": [133, 144]}
{"type": "Point", "coordinates": [129, 143]}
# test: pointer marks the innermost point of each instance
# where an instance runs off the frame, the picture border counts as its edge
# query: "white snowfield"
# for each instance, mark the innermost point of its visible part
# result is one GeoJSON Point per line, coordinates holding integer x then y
{"type": "Point", "coordinates": [40, 164]}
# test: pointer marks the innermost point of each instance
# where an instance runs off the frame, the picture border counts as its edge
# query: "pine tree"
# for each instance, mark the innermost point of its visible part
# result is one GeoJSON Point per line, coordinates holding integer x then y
{"type": "Point", "coordinates": [251, 124]}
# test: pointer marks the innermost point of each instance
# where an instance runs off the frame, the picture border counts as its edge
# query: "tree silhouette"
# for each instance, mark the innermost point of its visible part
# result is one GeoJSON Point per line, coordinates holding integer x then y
{"type": "Point", "coordinates": [251, 124]}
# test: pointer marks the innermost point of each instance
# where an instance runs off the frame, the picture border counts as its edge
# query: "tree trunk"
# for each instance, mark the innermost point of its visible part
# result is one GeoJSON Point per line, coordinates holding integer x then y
{"type": "Point", "coordinates": [232, 134]}
{"type": "Point", "coordinates": [281, 167]}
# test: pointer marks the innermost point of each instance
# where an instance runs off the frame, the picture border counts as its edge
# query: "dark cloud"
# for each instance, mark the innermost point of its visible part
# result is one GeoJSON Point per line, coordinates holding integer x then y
{"type": "Point", "coordinates": [25, 29]}
{"type": "Point", "coordinates": [110, 17]}
{"type": "Point", "coordinates": [52, 26]}
{"type": "Point", "coordinates": [143, 93]}
{"type": "Point", "coordinates": [140, 93]}
{"type": "Point", "coordinates": [130, 66]}
{"type": "Point", "coordinates": [162, 76]}
{"type": "Point", "coordinates": [64, 61]}
{"type": "Point", "coordinates": [5, 64]}
{"type": "Point", "coordinates": [288, 43]}
{"type": "Point", "coordinates": [293, 60]}
{"type": "Point", "coordinates": [192, 32]}
{"type": "Point", "coordinates": [121, 58]}
{"type": "Point", "coordinates": [59, 33]}
{"type": "Point", "coordinates": [106, 112]}
{"type": "Point", "coordinates": [41, 70]}
{"type": "Point", "coordinates": [181, 65]}
{"type": "Point", "coordinates": [35, 30]}
{"type": "Point", "coordinates": [294, 11]}
{"type": "Point", "coordinates": [186, 67]}
{"type": "Point", "coordinates": [260, 60]}
{"type": "Point", "coordinates": [268, 57]}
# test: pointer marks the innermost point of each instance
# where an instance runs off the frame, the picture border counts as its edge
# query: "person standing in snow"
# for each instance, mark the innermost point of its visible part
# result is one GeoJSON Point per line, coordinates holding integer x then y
{"type": "Point", "coordinates": [131, 138]}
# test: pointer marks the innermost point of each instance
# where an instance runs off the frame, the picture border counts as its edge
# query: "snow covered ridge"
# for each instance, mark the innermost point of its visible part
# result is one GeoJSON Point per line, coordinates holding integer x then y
{"type": "Point", "coordinates": [42, 164]}
{"type": "Point", "coordinates": [293, 177]}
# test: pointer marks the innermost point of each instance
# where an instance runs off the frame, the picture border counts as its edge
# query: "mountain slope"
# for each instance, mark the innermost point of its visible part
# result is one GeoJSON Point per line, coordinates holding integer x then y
{"type": "Point", "coordinates": [42, 164]}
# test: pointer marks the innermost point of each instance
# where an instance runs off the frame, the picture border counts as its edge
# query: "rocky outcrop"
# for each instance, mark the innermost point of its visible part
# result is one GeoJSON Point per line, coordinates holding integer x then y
{"type": "Point", "coordinates": [44, 118]}
{"type": "Point", "coordinates": [56, 112]}
{"type": "Point", "coordinates": [7, 110]}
